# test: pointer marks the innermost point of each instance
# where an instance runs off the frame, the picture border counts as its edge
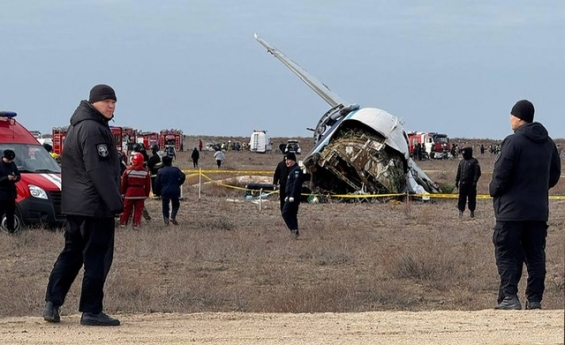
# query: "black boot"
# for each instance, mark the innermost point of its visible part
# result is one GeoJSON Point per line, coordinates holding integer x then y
{"type": "Point", "coordinates": [100, 319]}
{"type": "Point", "coordinates": [51, 313]}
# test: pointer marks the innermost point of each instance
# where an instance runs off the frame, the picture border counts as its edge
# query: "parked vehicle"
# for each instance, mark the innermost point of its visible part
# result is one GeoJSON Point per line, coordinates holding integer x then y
{"type": "Point", "coordinates": [434, 145]}
{"type": "Point", "coordinates": [39, 190]}
{"type": "Point", "coordinates": [260, 142]}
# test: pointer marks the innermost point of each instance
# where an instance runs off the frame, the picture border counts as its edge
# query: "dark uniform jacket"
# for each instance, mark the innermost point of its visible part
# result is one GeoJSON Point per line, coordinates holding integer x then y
{"type": "Point", "coordinates": [154, 163]}
{"type": "Point", "coordinates": [294, 183]}
{"type": "Point", "coordinates": [469, 170]}
{"type": "Point", "coordinates": [168, 181]}
{"type": "Point", "coordinates": [526, 168]}
{"type": "Point", "coordinates": [90, 166]}
{"type": "Point", "coordinates": [7, 187]}
{"type": "Point", "coordinates": [280, 175]}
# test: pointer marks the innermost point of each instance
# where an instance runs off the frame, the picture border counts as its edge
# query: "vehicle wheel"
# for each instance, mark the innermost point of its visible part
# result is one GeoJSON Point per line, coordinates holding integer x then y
{"type": "Point", "coordinates": [18, 223]}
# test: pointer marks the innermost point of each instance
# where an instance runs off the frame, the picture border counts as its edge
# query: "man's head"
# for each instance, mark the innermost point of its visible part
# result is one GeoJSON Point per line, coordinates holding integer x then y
{"type": "Point", "coordinates": [290, 159]}
{"type": "Point", "coordinates": [103, 98]}
{"type": "Point", "coordinates": [8, 156]}
{"type": "Point", "coordinates": [168, 161]}
{"type": "Point", "coordinates": [522, 112]}
{"type": "Point", "coordinates": [467, 152]}
{"type": "Point", "coordinates": [137, 159]}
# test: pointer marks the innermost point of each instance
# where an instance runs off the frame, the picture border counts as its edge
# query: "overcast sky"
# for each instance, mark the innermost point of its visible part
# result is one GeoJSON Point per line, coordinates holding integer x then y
{"type": "Point", "coordinates": [455, 67]}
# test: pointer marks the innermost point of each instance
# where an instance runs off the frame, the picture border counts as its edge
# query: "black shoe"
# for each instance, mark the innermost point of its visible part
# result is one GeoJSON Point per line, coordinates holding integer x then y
{"type": "Point", "coordinates": [460, 214]}
{"type": "Point", "coordinates": [472, 214]}
{"type": "Point", "coordinates": [530, 305]}
{"type": "Point", "coordinates": [509, 303]}
{"type": "Point", "coordinates": [100, 319]}
{"type": "Point", "coordinates": [166, 220]}
{"type": "Point", "coordinates": [51, 313]}
{"type": "Point", "coordinates": [174, 222]}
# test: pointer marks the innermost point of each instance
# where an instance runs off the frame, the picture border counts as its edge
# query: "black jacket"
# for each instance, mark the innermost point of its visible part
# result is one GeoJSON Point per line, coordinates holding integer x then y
{"type": "Point", "coordinates": [280, 175]}
{"type": "Point", "coordinates": [90, 166]}
{"type": "Point", "coordinates": [468, 170]}
{"type": "Point", "coordinates": [294, 182]}
{"type": "Point", "coordinates": [168, 181]}
{"type": "Point", "coordinates": [195, 155]}
{"type": "Point", "coordinates": [7, 187]}
{"type": "Point", "coordinates": [154, 163]}
{"type": "Point", "coordinates": [526, 168]}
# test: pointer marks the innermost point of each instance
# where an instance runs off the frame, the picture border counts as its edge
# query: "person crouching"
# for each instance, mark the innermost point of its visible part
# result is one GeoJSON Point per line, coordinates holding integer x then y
{"type": "Point", "coordinates": [135, 186]}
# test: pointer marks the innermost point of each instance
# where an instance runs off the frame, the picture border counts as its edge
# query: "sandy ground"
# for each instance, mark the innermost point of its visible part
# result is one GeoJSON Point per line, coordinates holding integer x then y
{"type": "Point", "coordinates": [433, 327]}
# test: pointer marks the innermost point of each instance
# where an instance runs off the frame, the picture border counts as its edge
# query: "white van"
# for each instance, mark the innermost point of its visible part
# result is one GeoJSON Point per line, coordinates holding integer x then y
{"type": "Point", "coordinates": [260, 142]}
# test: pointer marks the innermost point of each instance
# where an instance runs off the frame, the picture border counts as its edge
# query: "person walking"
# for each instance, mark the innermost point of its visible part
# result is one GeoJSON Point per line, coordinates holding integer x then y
{"type": "Point", "coordinates": [526, 168]}
{"type": "Point", "coordinates": [195, 156]}
{"type": "Point", "coordinates": [199, 144]}
{"type": "Point", "coordinates": [293, 190]}
{"type": "Point", "coordinates": [135, 187]}
{"type": "Point", "coordinates": [154, 164]}
{"type": "Point", "coordinates": [279, 180]}
{"type": "Point", "coordinates": [168, 182]}
{"type": "Point", "coordinates": [9, 175]}
{"type": "Point", "coordinates": [468, 174]}
{"type": "Point", "coordinates": [90, 200]}
{"type": "Point", "coordinates": [219, 156]}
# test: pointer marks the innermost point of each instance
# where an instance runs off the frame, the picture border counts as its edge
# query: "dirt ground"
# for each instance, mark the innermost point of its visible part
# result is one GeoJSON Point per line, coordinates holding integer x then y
{"type": "Point", "coordinates": [433, 327]}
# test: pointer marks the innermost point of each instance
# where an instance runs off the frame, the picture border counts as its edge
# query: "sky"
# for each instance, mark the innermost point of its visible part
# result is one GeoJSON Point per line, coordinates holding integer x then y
{"type": "Point", "coordinates": [454, 67]}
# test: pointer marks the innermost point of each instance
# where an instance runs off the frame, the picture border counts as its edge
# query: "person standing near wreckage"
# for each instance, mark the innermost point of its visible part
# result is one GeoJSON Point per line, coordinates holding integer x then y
{"type": "Point", "coordinates": [468, 173]}
{"type": "Point", "coordinates": [279, 180]}
{"type": "Point", "coordinates": [292, 190]}
{"type": "Point", "coordinates": [526, 168]}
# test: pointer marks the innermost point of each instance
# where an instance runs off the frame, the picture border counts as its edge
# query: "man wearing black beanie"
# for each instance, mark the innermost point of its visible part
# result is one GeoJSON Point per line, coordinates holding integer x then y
{"type": "Point", "coordinates": [90, 199]}
{"type": "Point", "coordinates": [527, 167]}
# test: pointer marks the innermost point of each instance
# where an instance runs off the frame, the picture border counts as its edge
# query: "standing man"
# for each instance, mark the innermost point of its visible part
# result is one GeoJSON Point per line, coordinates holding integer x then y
{"type": "Point", "coordinates": [90, 199]}
{"type": "Point", "coordinates": [154, 164]}
{"type": "Point", "coordinates": [135, 187]}
{"type": "Point", "coordinates": [526, 168]}
{"type": "Point", "coordinates": [279, 180]}
{"type": "Point", "coordinates": [468, 173]}
{"type": "Point", "coordinates": [195, 156]}
{"type": "Point", "coordinates": [167, 184]}
{"type": "Point", "coordinates": [292, 191]}
{"type": "Point", "coordinates": [9, 175]}
{"type": "Point", "coordinates": [219, 156]}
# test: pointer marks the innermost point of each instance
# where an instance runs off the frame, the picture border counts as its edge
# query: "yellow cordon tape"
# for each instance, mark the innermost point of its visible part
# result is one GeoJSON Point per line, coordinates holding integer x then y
{"type": "Point", "coordinates": [196, 172]}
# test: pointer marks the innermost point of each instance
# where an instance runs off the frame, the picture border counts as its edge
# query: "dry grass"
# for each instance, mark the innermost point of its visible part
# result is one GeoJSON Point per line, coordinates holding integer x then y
{"type": "Point", "coordinates": [234, 256]}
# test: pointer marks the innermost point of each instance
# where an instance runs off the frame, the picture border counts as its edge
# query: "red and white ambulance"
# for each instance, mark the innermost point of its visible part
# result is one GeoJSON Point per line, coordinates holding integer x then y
{"type": "Point", "coordinates": [39, 190]}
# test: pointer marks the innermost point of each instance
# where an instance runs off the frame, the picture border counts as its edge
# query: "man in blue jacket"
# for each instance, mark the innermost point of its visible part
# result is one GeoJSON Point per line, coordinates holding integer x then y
{"type": "Point", "coordinates": [91, 198]}
{"type": "Point", "coordinates": [526, 168]}
{"type": "Point", "coordinates": [167, 185]}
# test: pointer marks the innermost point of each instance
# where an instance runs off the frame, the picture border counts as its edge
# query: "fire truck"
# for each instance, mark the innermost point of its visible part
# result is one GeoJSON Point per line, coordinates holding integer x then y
{"type": "Point", "coordinates": [59, 134]}
{"type": "Point", "coordinates": [434, 145]}
{"type": "Point", "coordinates": [148, 139]}
{"type": "Point", "coordinates": [171, 137]}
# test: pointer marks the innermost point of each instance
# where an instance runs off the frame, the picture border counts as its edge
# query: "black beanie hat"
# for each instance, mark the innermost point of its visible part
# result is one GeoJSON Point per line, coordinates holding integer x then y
{"type": "Point", "coordinates": [291, 155]}
{"type": "Point", "coordinates": [524, 110]}
{"type": "Point", "coordinates": [10, 154]}
{"type": "Point", "coordinates": [101, 92]}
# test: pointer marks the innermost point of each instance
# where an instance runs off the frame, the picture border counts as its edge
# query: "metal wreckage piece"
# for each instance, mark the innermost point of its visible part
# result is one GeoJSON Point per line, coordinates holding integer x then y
{"type": "Point", "coordinates": [357, 150]}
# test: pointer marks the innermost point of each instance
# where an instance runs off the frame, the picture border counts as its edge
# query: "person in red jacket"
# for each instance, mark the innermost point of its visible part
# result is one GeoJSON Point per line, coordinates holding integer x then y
{"type": "Point", "coordinates": [135, 186]}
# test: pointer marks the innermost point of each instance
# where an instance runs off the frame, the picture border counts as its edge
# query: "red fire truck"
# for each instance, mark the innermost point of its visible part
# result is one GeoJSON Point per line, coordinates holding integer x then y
{"type": "Point", "coordinates": [171, 137]}
{"type": "Point", "coordinates": [148, 138]}
{"type": "Point", "coordinates": [59, 134]}
{"type": "Point", "coordinates": [434, 145]}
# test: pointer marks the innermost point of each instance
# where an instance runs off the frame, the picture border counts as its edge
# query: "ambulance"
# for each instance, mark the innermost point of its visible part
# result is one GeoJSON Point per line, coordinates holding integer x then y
{"type": "Point", "coordinates": [38, 200]}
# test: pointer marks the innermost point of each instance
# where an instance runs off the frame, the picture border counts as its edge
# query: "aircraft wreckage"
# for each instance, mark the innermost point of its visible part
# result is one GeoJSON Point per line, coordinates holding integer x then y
{"type": "Point", "coordinates": [357, 150]}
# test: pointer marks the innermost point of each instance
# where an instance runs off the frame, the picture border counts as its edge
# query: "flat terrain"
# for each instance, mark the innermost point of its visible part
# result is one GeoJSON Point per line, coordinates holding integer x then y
{"type": "Point", "coordinates": [361, 272]}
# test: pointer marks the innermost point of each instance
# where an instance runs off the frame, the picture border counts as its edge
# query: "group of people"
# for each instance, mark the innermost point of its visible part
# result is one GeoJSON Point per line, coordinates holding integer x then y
{"type": "Point", "coordinates": [92, 196]}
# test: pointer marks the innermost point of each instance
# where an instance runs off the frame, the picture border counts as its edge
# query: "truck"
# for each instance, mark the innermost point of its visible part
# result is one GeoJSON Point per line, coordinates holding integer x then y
{"type": "Point", "coordinates": [434, 145]}
{"type": "Point", "coordinates": [260, 142]}
{"type": "Point", "coordinates": [148, 139]}
{"type": "Point", "coordinates": [171, 138]}
{"type": "Point", "coordinates": [38, 193]}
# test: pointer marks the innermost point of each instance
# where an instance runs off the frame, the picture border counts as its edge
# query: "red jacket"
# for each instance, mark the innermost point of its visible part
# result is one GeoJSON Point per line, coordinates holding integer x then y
{"type": "Point", "coordinates": [136, 183]}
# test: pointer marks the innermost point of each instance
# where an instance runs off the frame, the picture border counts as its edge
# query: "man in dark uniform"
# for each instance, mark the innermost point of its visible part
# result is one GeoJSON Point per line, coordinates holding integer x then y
{"type": "Point", "coordinates": [279, 180]}
{"type": "Point", "coordinates": [90, 199]}
{"type": "Point", "coordinates": [468, 173]}
{"type": "Point", "coordinates": [292, 190]}
{"type": "Point", "coordinates": [526, 168]}
{"type": "Point", "coordinates": [154, 164]}
{"type": "Point", "coordinates": [9, 175]}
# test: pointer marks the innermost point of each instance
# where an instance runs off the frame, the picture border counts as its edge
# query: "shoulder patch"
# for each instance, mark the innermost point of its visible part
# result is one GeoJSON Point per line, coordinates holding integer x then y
{"type": "Point", "coordinates": [296, 173]}
{"type": "Point", "coordinates": [102, 150]}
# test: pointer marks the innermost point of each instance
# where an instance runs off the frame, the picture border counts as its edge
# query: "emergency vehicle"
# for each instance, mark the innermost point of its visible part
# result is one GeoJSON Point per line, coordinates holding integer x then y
{"type": "Point", "coordinates": [148, 139]}
{"type": "Point", "coordinates": [171, 137]}
{"type": "Point", "coordinates": [59, 134]}
{"type": "Point", "coordinates": [38, 198]}
{"type": "Point", "coordinates": [434, 145]}
{"type": "Point", "coordinates": [260, 142]}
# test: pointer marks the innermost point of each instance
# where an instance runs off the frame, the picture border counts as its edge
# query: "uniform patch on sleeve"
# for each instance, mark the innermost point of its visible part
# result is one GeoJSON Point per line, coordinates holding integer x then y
{"type": "Point", "coordinates": [296, 173]}
{"type": "Point", "coordinates": [102, 150]}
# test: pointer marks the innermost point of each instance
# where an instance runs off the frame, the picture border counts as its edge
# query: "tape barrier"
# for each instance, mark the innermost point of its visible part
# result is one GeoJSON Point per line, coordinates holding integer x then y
{"type": "Point", "coordinates": [196, 172]}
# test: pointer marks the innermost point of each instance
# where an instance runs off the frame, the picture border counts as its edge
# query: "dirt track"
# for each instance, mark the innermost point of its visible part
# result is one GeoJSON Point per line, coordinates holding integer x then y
{"type": "Point", "coordinates": [435, 327]}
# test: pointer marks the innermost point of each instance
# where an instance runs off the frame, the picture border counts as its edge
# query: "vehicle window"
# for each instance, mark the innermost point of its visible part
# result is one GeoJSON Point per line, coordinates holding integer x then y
{"type": "Point", "coordinates": [32, 158]}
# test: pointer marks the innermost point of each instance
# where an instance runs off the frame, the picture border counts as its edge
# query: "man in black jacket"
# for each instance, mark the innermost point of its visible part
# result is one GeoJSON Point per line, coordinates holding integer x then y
{"type": "Point", "coordinates": [526, 168]}
{"type": "Point", "coordinates": [9, 175]}
{"type": "Point", "coordinates": [90, 199]}
{"type": "Point", "coordinates": [293, 190]}
{"type": "Point", "coordinates": [279, 180]}
{"type": "Point", "coordinates": [468, 173]}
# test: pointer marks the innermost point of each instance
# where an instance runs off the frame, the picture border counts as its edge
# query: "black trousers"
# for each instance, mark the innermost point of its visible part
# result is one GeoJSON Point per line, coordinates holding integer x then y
{"type": "Point", "coordinates": [175, 203]}
{"type": "Point", "coordinates": [153, 184]}
{"type": "Point", "coordinates": [8, 207]}
{"type": "Point", "coordinates": [516, 243]}
{"type": "Point", "coordinates": [89, 242]}
{"type": "Point", "coordinates": [290, 214]}
{"type": "Point", "coordinates": [282, 195]}
{"type": "Point", "coordinates": [467, 192]}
